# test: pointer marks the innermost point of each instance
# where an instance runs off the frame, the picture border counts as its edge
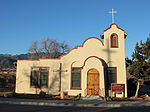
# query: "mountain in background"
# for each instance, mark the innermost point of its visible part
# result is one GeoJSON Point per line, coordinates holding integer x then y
{"type": "Point", "coordinates": [7, 60]}
{"type": "Point", "coordinates": [8, 55]}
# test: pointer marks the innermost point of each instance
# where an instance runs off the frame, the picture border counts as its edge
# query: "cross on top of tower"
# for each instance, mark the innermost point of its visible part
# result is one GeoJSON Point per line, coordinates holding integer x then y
{"type": "Point", "coordinates": [112, 12]}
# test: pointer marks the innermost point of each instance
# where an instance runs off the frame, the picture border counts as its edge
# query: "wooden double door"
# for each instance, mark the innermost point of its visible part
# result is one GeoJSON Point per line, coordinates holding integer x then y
{"type": "Point", "coordinates": [93, 82]}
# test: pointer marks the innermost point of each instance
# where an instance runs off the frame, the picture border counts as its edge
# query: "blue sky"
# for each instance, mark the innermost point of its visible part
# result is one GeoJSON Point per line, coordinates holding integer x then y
{"type": "Point", "coordinates": [24, 21]}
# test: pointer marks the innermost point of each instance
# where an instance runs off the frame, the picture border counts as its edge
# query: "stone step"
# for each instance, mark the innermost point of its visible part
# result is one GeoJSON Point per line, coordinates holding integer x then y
{"type": "Point", "coordinates": [92, 97]}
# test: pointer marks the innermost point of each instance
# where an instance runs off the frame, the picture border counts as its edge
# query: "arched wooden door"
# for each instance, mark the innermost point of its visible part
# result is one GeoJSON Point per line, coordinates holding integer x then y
{"type": "Point", "coordinates": [93, 82]}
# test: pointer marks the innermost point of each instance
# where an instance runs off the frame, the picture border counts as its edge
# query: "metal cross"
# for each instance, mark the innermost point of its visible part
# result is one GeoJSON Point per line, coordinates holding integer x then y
{"type": "Point", "coordinates": [60, 71]}
{"type": "Point", "coordinates": [112, 12]}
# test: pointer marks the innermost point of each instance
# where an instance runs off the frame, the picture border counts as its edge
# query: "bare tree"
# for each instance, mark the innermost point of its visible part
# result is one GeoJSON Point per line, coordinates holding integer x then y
{"type": "Point", "coordinates": [64, 47]}
{"type": "Point", "coordinates": [48, 48]}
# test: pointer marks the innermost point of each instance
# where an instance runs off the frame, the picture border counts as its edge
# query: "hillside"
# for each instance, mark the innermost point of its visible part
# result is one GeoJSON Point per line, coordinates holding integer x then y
{"type": "Point", "coordinates": [7, 60]}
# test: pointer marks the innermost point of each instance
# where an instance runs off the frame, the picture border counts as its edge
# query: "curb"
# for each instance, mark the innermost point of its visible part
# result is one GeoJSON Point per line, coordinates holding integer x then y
{"type": "Point", "coordinates": [103, 104]}
{"type": "Point", "coordinates": [61, 104]}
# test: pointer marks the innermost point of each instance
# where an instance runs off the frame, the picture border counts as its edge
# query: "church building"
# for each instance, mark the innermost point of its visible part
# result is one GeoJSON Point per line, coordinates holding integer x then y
{"type": "Point", "coordinates": [94, 68]}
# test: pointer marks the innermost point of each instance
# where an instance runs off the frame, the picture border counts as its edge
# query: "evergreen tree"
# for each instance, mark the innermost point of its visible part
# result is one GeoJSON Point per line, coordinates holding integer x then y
{"type": "Point", "coordinates": [140, 66]}
{"type": "Point", "coordinates": [146, 54]}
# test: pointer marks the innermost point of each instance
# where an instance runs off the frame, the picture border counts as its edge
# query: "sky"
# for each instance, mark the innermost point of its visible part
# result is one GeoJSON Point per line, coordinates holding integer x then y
{"type": "Point", "coordinates": [24, 21]}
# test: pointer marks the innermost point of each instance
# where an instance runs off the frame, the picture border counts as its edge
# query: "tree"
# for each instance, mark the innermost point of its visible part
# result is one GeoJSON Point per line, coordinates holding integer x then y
{"type": "Point", "coordinates": [48, 48]}
{"type": "Point", "coordinates": [6, 63]}
{"type": "Point", "coordinates": [128, 61]}
{"type": "Point", "coordinates": [140, 66]}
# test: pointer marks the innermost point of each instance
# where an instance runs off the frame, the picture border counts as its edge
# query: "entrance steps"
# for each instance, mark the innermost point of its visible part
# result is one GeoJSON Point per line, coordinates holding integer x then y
{"type": "Point", "coordinates": [92, 97]}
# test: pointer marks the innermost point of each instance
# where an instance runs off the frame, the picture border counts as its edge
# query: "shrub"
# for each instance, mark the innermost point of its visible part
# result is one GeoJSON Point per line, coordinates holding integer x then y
{"type": "Point", "coordinates": [42, 94]}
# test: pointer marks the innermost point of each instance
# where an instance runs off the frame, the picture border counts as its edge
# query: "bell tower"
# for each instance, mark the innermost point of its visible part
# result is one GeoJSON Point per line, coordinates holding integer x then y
{"type": "Point", "coordinates": [114, 36]}
{"type": "Point", "coordinates": [115, 46]}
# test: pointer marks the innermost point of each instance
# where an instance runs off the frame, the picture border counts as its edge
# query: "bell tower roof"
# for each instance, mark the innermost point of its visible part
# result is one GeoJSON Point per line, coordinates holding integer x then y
{"type": "Point", "coordinates": [111, 26]}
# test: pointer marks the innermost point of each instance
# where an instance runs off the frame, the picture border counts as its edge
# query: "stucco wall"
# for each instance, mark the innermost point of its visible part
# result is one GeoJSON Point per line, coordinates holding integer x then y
{"type": "Point", "coordinates": [24, 72]}
{"type": "Point", "coordinates": [91, 54]}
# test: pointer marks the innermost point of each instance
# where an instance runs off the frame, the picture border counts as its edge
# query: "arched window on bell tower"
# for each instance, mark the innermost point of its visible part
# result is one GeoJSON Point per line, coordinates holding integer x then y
{"type": "Point", "coordinates": [114, 40]}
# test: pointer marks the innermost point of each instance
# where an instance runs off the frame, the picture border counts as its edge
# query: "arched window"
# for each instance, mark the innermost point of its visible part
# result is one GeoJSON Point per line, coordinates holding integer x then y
{"type": "Point", "coordinates": [114, 40]}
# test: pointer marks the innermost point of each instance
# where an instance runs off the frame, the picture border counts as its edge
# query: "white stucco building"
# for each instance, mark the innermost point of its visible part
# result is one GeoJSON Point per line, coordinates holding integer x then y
{"type": "Point", "coordinates": [89, 69]}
